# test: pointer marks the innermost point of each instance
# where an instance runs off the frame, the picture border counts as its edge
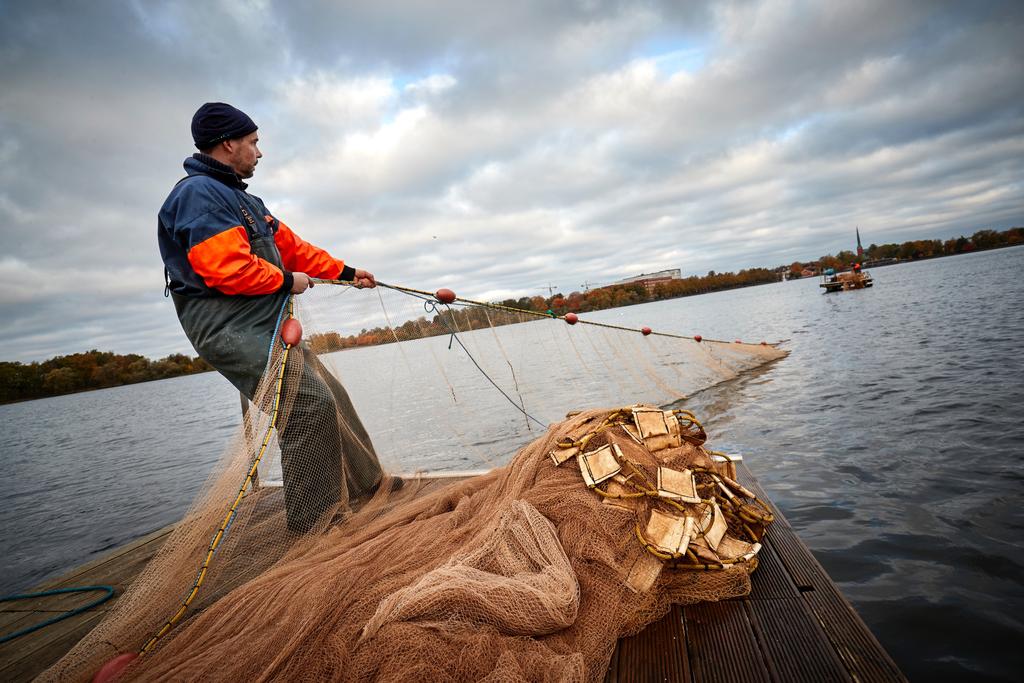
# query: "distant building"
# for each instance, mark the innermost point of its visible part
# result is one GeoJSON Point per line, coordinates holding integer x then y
{"type": "Point", "coordinates": [651, 280]}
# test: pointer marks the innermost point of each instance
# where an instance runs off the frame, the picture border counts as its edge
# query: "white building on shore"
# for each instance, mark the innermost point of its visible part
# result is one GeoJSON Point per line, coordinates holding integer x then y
{"type": "Point", "coordinates": [651, 280]}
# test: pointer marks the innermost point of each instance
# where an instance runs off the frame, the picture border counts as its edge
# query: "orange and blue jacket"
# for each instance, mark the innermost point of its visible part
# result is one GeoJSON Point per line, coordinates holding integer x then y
{"type": "Point", "coordinates": [218, 240]}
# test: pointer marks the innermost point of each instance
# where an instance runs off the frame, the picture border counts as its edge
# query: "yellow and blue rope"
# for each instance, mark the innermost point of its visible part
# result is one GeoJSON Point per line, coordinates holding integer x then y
{"type": "Point", "coordinates": [230, 516]}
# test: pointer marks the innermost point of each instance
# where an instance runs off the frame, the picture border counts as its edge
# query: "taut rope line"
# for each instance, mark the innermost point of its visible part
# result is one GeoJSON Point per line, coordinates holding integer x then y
{"type": "Point", "coordinates": [421, 293]}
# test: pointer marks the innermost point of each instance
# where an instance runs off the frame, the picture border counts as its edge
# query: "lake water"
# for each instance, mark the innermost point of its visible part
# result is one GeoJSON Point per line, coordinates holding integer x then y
{"type": "Point", "coordinates": [891, 438]}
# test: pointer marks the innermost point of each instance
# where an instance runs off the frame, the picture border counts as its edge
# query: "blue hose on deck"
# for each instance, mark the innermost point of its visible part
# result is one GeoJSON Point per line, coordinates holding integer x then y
{"type": "Point", "coordinates": [69, 613]}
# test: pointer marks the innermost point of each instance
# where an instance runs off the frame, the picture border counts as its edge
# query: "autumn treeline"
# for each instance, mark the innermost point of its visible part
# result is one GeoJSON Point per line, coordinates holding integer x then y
{"type": "Point", "coordinates": [917, 249]}
{"type": "Point", "coordinates": [460, 319]}
{"type": "Point", "coordinates": [90, 370]}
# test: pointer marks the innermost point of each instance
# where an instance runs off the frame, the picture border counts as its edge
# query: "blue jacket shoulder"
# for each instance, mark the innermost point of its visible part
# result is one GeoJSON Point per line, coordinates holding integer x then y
{"type": "Point", "coordinates": [194, 197]}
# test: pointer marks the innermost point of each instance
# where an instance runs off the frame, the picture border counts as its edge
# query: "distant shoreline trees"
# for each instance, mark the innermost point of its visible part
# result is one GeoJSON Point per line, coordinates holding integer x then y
{"type": "Point", "coordinates": [102, 369]}
{"type": "Point", "coordinates": [913, 250]}
{"type": "Point", "coordinates": [90, 370]}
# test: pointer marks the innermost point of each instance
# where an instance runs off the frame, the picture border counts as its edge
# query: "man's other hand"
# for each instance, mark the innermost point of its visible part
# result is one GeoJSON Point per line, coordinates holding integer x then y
{"type": "Point", "coordinates": [302, 283]}
{"type": "Point", "coordinates": [364, 278]}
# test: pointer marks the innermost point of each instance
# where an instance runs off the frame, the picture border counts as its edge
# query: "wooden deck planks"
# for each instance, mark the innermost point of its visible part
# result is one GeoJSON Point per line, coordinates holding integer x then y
{"type": "Point", "coordinates": [770, 581]}
{"type": "Point", "coordinates": [794, 626]}
{"type": "Point", "coordinates": [791, 639]}
{"type": "Point", "coordinates": [722, 644]}
{"type": "Point", "coordinates": [37, 651]}
{"type": "Point", "coordinates": [24, 658]}
{"type": "Point", "coordinates": [855, 644]}
{"type": "Point", "coordinates": [659, 653]}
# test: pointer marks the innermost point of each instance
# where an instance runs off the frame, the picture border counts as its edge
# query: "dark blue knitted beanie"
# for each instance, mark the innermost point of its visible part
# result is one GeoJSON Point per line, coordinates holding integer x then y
{"type": "Point", "coordinates": [216, 121]}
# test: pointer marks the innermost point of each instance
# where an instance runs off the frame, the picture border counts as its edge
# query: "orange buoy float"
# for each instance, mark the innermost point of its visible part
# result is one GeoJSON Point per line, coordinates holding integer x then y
{"type": "Point", "coordinates": [764, 343]}
{"type": "Point", "coordinates": [571, 318]}
{"type": "Point", "coordinates": [114, 667]}
{"type": "Point", "coordinates": [697, 338]}
{"type": "Point", "coordinates": [645, 331]}
{"type": "Point", "coordinates": [445, 295]}
{"type": "Point", "coordinates": [291, 332]}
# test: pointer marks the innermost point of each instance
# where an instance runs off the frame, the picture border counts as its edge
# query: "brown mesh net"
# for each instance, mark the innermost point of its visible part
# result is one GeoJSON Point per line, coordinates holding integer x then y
{"type": "Point", "coordinates": [303, 559]}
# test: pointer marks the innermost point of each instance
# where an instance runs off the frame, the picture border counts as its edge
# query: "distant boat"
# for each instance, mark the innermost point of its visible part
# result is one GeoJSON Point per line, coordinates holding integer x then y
{"type": "Point", "coordinates": [857, 278]}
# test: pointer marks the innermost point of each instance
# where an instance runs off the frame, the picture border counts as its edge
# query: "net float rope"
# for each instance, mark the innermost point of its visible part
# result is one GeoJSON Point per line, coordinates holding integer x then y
{"type": "Point", "coordinates": [448, 297]}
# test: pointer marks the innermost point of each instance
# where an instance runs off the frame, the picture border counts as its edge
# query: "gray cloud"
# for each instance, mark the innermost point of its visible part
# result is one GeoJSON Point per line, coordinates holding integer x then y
{"type": "Point", "coordinates": [496, 151]}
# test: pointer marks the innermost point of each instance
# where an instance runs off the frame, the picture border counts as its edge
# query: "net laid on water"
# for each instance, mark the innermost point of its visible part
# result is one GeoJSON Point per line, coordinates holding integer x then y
{"type": "Point", "coordinates": [302, 558]}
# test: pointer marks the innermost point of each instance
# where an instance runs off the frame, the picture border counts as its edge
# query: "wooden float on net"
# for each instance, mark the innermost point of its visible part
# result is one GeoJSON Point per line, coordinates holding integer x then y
{"type": "Point", "coordinates": [795, 625]}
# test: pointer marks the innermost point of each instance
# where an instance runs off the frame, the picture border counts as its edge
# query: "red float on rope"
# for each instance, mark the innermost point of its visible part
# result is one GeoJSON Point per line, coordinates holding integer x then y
{"type": "Point", "coordinates": [697, 338]}
{"type": "Point", "coordinates": [764, 343]}
{"type": "Point", "coordinates": [738, 342]}
{"type": "Point", "coordinates": [114, 667]}
{"type": "Point", "coordinates": [645, 331]}
{"type": "Point", "coordinates": [571, 318]}
{"type": "Point", "coordinates": [291, 332]}
{"type": "Point", "coordinates": [445, 295]}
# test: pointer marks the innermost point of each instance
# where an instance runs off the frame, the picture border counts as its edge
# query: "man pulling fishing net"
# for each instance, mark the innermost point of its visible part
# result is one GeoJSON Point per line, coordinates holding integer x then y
{"type": "Point", "coordinates": [230, 267]}
{"type": "Point", "coordinates": [532, 570]}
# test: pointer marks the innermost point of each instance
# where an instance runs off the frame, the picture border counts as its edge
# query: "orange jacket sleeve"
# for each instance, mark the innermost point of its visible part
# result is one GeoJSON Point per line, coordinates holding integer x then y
{"type": "Point", "coordinates": [226, 263]}
{"type": "Point", "coordinates": [301, 256]}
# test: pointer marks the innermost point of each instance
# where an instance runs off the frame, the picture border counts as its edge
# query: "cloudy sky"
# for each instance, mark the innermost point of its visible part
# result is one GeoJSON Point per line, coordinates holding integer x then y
{"type": "Point", "coordinates": [495, 147]}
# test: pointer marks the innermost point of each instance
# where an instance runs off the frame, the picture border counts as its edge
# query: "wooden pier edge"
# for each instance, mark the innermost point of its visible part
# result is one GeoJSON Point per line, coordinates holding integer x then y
{"type": "Point", "coordinates": [794, 626]}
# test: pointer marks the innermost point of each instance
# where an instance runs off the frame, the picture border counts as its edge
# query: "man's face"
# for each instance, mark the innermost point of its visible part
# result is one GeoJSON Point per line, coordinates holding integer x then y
{"type": "Point", "coordinates": [244, 154]}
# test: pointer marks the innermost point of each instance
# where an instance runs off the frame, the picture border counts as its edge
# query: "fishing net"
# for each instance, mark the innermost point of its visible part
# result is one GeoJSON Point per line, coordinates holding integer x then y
{"type": "Point", "coordinates": [319, 550]}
